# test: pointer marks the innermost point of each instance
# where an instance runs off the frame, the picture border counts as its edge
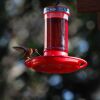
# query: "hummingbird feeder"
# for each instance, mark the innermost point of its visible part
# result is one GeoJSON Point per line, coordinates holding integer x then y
{"type": "Point", "coordinates": [55, 58]}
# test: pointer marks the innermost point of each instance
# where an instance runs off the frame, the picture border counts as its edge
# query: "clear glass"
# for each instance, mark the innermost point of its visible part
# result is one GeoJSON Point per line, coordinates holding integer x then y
{"type": "Point", "coordinates": [56, 34]}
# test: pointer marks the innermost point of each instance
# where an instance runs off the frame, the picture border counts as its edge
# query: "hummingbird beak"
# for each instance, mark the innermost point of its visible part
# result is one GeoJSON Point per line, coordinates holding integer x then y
{"type": "Point", "coordinates": [37, 52]}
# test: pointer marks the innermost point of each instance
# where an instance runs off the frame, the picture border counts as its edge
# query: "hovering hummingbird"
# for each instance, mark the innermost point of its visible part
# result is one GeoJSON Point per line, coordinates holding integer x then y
{"type": "Point", "coordinates": [27, 52]}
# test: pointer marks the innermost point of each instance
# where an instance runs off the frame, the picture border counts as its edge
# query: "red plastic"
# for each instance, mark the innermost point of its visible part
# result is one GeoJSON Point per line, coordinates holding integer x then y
{"type": "Point", "coordinates": [55, 58]}
{"type": "Point", "coordinates": [56, 64]}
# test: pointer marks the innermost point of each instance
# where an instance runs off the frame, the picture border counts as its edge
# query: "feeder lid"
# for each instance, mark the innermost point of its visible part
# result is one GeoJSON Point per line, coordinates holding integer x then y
{"type": "Point", "coordinates": [57, 9]}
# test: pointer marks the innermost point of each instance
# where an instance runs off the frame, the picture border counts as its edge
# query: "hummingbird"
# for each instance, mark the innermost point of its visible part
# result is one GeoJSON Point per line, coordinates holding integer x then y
{"type": "Point", "coordinates": [27, 52]}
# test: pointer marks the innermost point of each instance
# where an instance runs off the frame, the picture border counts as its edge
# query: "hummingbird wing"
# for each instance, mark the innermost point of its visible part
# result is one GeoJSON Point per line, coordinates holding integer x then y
{"type": "Point", "coordinates": [21, 49]}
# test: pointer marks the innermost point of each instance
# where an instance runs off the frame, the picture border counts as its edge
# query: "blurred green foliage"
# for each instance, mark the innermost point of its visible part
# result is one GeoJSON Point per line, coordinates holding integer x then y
{"type": "Point", "coordinates": [22, 23]}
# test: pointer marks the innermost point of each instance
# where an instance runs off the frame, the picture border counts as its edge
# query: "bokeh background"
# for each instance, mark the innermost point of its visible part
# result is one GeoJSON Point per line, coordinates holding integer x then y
{"type": "Point", "coordinates": [22, 23]}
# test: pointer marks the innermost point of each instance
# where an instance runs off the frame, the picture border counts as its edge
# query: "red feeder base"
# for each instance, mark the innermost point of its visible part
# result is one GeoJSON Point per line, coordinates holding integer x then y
{"type": "Point", "coordinates": [56, 64]}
